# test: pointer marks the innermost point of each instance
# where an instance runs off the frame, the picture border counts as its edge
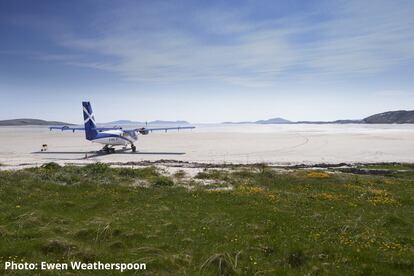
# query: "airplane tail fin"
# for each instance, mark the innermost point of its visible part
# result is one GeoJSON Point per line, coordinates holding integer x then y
{"type": "Point", "coordinates": [89, 120]}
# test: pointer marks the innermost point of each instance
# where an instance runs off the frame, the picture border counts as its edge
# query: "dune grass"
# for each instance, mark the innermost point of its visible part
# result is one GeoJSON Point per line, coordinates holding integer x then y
{"type": "Point", "coordinates": [272, 222]}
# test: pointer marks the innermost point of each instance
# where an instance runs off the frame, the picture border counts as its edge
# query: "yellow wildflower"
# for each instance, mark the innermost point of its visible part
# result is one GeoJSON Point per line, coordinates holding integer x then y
{"type": "Point", "coordinates": [318, 174]}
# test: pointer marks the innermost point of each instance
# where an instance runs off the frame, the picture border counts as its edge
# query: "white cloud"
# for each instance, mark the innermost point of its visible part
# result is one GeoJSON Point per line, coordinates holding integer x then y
{"type": "Point", "coordinates": [176, 56]}
{"type": "Point", "coordinates": [394, 93]}
{"type": "Point", "coordinates": [357, 38]}
{"type": "Point", "coordinates": [365, 38]}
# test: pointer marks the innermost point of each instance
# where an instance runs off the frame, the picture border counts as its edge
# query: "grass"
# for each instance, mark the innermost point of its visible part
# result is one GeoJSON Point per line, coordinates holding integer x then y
{"type": "Point", "coordinates": [213, 174]}
{"type": "Point", "coordinates": [389, 166]}
{"type": "Point", "coordinates": [293, 222]}
{"type": "Point", "coordinates": [180, 174]}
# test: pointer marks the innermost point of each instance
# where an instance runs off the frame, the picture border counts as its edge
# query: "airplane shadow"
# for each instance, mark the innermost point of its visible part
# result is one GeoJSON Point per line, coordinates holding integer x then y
{"type": "Point", "coordinates": [155, 153]}
{"type": "Point", "coordinates": [100, 153]}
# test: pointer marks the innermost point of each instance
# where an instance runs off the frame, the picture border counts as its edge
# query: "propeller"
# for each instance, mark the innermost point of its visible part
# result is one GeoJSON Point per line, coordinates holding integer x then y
{"type": "Point", "coordinates": [143, 131]}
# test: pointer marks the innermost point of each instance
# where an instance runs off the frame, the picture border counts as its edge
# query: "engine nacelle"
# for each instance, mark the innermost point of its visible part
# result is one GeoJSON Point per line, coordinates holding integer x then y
{"type": "Point", "coordinates": [143, 131]}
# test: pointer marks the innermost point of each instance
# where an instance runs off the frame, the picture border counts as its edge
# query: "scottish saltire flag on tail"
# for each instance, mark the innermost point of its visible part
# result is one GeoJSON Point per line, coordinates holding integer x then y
{"type": "Point", "coordinates": [89, 121]}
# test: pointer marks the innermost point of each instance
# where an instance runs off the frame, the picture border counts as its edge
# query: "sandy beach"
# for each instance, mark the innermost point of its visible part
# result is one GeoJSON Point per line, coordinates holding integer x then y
{"type": "Point", "coordinates": [239, 144]}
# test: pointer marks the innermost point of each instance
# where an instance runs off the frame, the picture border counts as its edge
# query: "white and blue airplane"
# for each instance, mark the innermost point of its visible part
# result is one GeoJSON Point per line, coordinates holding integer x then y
{"type": "Point", "coordinates": [112, 136]}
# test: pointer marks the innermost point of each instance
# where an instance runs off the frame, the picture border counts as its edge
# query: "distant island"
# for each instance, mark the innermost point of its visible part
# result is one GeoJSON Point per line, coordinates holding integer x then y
{"type": "Point", "coordinates": [331, 122]}
{"type": "Point", "coordinates": [32, 122]}
{"type": "Point", "coordinates": [390, 117]}
{"type": "Point", "coordinates": [273, 121]}
{"type": "Point", "coordinates": [284, 121]}
{"type": "Point", "coordinates": [264, 122]}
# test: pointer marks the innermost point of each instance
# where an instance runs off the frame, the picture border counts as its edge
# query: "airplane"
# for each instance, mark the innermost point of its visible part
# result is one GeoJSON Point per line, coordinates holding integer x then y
{"type": "Point", "coordinates": [111, 136]}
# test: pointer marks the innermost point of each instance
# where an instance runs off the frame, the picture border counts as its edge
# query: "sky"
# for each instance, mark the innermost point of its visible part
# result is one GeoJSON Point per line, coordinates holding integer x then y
{"type": "Point", "coordinates": [205, 61]}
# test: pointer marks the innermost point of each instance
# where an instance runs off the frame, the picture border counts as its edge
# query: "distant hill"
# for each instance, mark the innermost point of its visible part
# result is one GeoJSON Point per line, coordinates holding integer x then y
{"type": "Point", "coordinates": [330, 122]}
{"type": "Point", "coordinates": [32, 122]}
{"type": "Point", "coordinates": [264, 122]}
{"type": "Point", "coordinates": [391, 117]}
{"type": "Point", "coordinates": [123, 122]}
{"type": "Point", "coordinates": [273, 121]}
{"type": "Point", "coordinates": [156, 122]}
{"type": "Point", "coordinates": [284, 121]}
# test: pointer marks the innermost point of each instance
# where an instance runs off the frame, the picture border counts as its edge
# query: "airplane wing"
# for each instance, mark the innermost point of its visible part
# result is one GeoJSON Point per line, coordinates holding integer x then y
{"type": "Point", "coordinates": [67, 128]}
{"type": "Point", "coordinates": [142, 130]}
{"type": "Point", "coordinates": [145, 130]}
{"type": "Point", "coordinates": [73, 129]}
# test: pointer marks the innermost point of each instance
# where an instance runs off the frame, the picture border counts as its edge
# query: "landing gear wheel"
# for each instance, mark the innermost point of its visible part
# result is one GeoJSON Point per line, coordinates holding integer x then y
{"type": "Point", "coordinates": [105, 149]}
{"type": "Point", "coordinates": [108, 149]}
{"type": "Point", "coordinates": [134, 148]}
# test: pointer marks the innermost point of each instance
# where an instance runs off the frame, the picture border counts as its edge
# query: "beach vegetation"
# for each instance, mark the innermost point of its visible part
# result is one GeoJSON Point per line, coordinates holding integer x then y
{"type": "Point", "coordinates": [265, 221]}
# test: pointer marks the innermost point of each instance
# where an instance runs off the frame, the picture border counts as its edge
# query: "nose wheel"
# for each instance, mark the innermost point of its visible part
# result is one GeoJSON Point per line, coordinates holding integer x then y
{"type": "Point", "coordinates": [133, 148]}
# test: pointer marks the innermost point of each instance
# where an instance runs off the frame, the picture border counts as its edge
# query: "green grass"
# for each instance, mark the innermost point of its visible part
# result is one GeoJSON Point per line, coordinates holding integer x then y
{"type": "Point", "coordinates": [271, 223]}
{"type": "Point", "coordinates": [389, 166]}
{"type": "Point", "coordinates": [213, 174]}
